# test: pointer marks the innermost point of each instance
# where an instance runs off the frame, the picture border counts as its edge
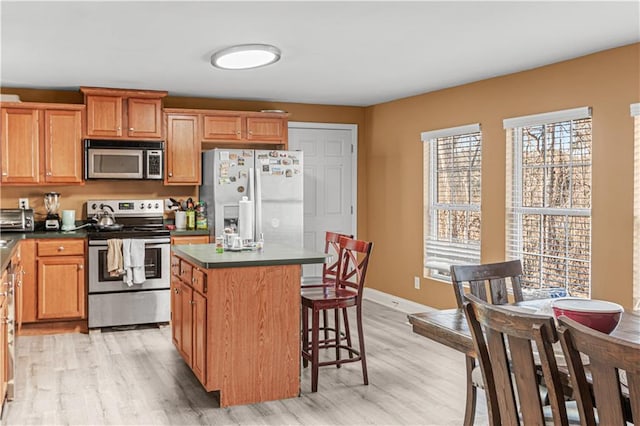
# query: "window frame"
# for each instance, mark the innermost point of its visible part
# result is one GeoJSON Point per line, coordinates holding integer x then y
{"type": "Point", "coordinates": [445, 251]}
{"type": "Point", "coordinates": [516, 212]}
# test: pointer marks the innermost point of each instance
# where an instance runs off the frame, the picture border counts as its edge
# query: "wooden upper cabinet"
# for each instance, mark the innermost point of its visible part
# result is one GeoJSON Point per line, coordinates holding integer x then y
{"type": "Point", "coordinates": [145, 118]}
{"type": "Point", "coordinates": [104, 116]}
{"type": "Point", "coordinates": [123, 114]}
{"type": "Point", "coordinates": [182, 150]}
{"type": "Point", "coordinates": [244, 126]}
{"type": "Point", "coordinates": [222, 127]}
{"type": "Point", "coordinates": [266, 129]}
{"type": "Point", "coordinates": [41, 143]}
{"type": "Point", "coordinates": [20, 142]}
{"type": "Point", "coordinates": [63, 146]}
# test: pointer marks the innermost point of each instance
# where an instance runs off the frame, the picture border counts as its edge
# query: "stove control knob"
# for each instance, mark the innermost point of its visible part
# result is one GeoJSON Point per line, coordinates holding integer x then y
{"type": "Point", "coordinates": [141, 206]}
{"type": "Point", "coordinates": [94, 206]}
{"type": "Point", "coordinates": [157, 206]}
{"type": "Point", "coordinates": [149, 206]}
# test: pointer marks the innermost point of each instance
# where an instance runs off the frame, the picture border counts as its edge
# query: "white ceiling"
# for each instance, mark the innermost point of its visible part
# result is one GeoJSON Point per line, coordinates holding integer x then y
{"type": "Point", "coordinates": [340, 53]}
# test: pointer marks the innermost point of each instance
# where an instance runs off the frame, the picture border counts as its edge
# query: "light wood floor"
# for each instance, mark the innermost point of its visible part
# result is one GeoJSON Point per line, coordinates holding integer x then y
{"type": "Point", "coordinates": [136, 377]}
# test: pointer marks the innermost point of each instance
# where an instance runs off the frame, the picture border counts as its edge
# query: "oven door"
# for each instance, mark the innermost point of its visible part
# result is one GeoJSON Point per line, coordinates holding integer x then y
{"type": "Point", "coordinates": [156, 266]}
{"type": "Point", "coordinates": [115, 163]}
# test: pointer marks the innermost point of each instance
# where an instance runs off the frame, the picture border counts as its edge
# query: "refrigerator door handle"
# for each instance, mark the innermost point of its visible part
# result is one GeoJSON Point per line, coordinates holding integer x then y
{"type": "Point", "coordinates": [258, 204]}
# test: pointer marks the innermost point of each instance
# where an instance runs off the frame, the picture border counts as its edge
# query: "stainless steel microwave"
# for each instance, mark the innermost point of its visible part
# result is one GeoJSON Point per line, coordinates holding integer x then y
{"type": "Point", "coordinates": [110, 159]}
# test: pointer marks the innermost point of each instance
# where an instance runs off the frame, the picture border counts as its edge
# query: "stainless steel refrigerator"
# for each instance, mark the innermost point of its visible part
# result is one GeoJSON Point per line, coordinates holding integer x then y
{"type": "Point", "coordinates": [273, 180]}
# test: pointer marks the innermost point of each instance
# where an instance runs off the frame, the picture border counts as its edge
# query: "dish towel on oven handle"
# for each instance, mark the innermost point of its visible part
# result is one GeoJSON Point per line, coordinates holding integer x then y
{"type": "Point", "coordinates": [133, 259]}
{"type": "Point", "coordinates": [114, 257]}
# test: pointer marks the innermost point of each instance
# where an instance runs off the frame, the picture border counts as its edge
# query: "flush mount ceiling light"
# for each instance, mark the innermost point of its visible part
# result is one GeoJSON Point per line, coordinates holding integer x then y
{"type": "Point", "coordinates": [245, 56]}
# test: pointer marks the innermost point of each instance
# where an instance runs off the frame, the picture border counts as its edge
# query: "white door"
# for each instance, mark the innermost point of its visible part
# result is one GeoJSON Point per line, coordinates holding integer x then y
{"type": "Point", "coordinates": [330, 159]}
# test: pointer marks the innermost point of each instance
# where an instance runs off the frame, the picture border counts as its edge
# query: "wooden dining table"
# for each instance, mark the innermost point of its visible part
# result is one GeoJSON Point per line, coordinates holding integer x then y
{"type": "Point", "coordinates": [449, 326]}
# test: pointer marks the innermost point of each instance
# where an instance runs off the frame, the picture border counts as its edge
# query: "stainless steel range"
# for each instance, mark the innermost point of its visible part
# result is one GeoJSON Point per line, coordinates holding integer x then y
{"type": "Point", "coordinates": [112, 302]}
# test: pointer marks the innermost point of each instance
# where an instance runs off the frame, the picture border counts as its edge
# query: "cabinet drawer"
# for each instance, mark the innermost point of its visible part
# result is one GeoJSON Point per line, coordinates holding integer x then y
{"type": "Point", "coordinates": [185, 272]}
{"type": "Point", "coordinates": [61, 247]}
{"type": "Point", "coordinates": [199, 280]}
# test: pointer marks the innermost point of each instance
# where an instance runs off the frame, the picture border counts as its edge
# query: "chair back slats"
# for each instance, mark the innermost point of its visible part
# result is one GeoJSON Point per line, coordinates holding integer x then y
{"type": "Point", "coordinates": [352, 268]}
{"type": "Point", "coordinates": [332, 247]}
{"type": "Point", "coordinates": [495, 276]}
{"type": "Point", "coordinates": [607, 357]}
{"type": "Point", "coordinates": [505, 341]}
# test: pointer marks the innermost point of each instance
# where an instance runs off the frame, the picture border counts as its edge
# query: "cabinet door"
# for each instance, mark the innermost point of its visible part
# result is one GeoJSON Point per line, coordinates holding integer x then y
{"type": "Point", "coordinates": [63, 146]}
{"type": "Point", "coordinates": [61, 287]}
{"type": "Point", "coordinates": [29, 293]}
{"type": "Point", "coordinates": [176, 313]}
{"type": "Point", "coordinates": [222, 127]}
{"type": "Point", "coordinates": [19, 142]}
{"type": "Point", "coordinates": [104, 116]}
{"type": "Point", "coordinates": [266, 129]}
{"type": "Point", "coordinates": [183, 150]}
{"type": "Point", "coordinates": [199, 336]}
{"type": "Point", "coordinates": [4, 349]}
{"type": "Point", "coordinates": [144, 118]}
{"type": "Point", "coordinates": [186, 334]}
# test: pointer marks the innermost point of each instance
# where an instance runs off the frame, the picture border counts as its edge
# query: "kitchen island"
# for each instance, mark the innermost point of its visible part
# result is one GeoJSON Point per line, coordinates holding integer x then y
{"type": "Point", "coordinates": [235, 319]}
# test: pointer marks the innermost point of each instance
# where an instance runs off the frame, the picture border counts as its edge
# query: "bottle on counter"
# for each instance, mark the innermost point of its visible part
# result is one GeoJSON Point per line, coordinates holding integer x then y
{"type": "Point", "coordinates": [220, 244]}
{"type": "Point", "coordinates": [260, 242]}
{"type": "Point", "coordinates": [191, 220]}
{"type": "Point", "coordinates": [201, 216]}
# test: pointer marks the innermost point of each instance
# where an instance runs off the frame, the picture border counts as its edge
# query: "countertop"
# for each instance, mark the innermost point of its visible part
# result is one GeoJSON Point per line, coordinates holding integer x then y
{"type": "Point", "coordinates": [205, 256]}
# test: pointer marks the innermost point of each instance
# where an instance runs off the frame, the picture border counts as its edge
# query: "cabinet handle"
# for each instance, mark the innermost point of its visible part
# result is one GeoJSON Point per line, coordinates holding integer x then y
{"type": "Point", "coordinates": [61, 248]}
{"type": "Point", "coordinates": [191, 302]}
{"type": "Point", "coordinates": [117, 128]}
{"type": "Point", "coordinates": [238, 132]}
{"type": "Point", "coordinates": [170, 174]}
{"type": "Point", "coordinates": [175, 290]}
{"type": "Point", "coordinates": [48, 173]}
{"type": "Point", "coordinates": [250, 132]}
{"type": "Point", "coordinates": [4, 173]}
{"type": "Point", "coordinates": [131, 129]}
{"type": "Point", "coordinates": [193, 280]}
{"type": "Point", "coordinates": [80, 267]}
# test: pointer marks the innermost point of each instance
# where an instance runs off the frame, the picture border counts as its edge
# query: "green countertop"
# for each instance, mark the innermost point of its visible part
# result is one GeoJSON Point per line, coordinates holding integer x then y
{"type": "Point", "coordinates": [205, 256]}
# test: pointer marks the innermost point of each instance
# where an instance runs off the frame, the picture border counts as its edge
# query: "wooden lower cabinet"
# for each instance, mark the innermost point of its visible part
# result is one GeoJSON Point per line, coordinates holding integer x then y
{"type": "Point", "coordinates": [188, 323]}
{"type": "Point", "coordinates": [53, 280]}
{"type": "Point", "coordinates": [239, 329]}
{"type": "Point", "coordinates": [4, 348]}
{"type": "Point", "coordinates": [61, 287]}
{"type": "Point", "coordinates": [190, 239]}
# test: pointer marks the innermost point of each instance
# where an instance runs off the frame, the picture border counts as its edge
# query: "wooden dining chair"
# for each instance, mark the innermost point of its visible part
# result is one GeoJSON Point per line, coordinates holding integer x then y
{"type": "Point", "coordinates": [328, 278]}
{"type": "Point", "coordinates": [495, 276]}
{"type": "Point", "coordinates": [608, 357]}
{"type": "Point", "coordinates": [346, 292]}
{"type": "Point", "coordinates": [506, 342]}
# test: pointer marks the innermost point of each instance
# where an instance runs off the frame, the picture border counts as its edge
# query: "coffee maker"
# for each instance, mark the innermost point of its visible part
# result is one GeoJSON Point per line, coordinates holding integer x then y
{"type": "Point", "coordinates": [52, 204]}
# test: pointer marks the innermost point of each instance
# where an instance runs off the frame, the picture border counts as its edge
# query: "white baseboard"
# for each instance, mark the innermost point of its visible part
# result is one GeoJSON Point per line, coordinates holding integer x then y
{"type": "Point", "coordinates": [395, 302]}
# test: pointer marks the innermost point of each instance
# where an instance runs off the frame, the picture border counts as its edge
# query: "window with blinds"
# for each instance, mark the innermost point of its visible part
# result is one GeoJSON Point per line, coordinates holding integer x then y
{"type": "Point", "coordinates": [452, 161]}
{"type": "Point", "coordinates": [635, 112]}
{"type": "Point", "coordinates": [549, 160]}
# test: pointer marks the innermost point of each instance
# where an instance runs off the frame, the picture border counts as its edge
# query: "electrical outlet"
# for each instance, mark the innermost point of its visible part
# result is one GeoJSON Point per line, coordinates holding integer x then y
{"type": "Point", "coordinates": [416, 283]}
{"type": "Point", "coordinates": [23, 203]}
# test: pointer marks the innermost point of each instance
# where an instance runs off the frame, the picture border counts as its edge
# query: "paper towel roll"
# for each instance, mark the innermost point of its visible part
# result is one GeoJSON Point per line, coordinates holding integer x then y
{"type": "Point", "coordinates": [245, 219]}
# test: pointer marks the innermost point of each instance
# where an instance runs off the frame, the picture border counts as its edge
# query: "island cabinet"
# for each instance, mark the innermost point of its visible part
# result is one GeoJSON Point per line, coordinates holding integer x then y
{"type": "Point", "coordinates": [189, 315]}
{"type": "Point", "coordinates": [4, 340]}
{"type": "Point", "coordinates": [123, 114]}
{"type": "Point", "coordinates": [41, 143]}
{"type": "Point", "coordinates": [241, 311]}
{"type": "Point", "coordinates": [190, 239]}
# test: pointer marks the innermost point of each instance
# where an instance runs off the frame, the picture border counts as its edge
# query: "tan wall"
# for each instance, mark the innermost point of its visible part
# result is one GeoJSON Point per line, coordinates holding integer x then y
{"type": "Point", "coordinates": [73, 197]}
{"type": "Point", "coordinates": [608, 81]}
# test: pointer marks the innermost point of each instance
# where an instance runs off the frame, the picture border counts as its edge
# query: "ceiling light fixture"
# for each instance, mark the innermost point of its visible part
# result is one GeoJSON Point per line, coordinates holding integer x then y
{"type": "Point", "coordinates": [245, 56]}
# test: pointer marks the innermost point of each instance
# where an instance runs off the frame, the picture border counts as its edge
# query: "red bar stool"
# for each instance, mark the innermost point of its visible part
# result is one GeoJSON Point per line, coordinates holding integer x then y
{"type": "Point", "coordinates": [329, 272]}
{"type": "Point", "coordinates": [346, 292]}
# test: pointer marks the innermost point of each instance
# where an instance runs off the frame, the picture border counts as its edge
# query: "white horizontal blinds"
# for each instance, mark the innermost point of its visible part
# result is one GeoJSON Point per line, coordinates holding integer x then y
{"type": "Point", "coordinates": [452, 228]}
{"type": "Point", "coordinates": [549, 206]}
{"type": "Point", "coordinates": [635, 111]}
